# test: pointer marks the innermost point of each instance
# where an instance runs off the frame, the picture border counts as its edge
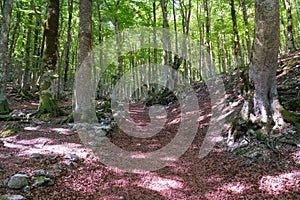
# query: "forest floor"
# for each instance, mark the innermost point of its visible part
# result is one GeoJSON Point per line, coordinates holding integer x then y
{"type": "Point", "coordinates": [272, 173]}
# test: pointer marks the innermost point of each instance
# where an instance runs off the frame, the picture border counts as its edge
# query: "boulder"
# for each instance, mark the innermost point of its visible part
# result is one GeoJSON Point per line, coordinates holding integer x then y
{"type": "Point", "coordinates": [18, 181]}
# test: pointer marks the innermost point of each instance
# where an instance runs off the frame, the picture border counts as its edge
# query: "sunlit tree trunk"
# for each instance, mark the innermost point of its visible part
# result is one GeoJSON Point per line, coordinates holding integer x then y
{"type": "Point", "coordinates": [247, 27]}
{"type": "Point", "coordinates": [290, 43]}
{"type": "Point", "coordinates": [4, 107]}
{"type": "Point", "coordinates": [208, 54]}
{"type": "Point", "coordinates": [26, 75]}
{"type": "Point", "coordinates": [68, 45]}
{"type": "Point", "coordinates": [262, 106]}
{"type": "Point", "coordinates": [297, 13]}
{"type": "Point", "coordinates": [15, 33]}
{"type": "Point", "coordinates": [84, 82]}
{"type": "Point", "coordinates": [48, 104]}
{"type": "Point", "coordinates": [236, 42]}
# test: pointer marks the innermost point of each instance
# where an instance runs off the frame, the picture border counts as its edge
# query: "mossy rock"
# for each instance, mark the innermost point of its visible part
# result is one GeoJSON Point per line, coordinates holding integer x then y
{"type": "Point", "coordinates": [9, 131]}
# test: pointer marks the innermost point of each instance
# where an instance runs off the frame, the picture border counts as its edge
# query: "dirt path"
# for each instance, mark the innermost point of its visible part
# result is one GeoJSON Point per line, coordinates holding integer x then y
{"type": "Point", "coordinates": [219, 175]}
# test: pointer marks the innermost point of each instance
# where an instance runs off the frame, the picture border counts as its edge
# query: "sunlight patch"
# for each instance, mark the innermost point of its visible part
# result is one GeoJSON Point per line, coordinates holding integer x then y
{"type": "Point", "coordinates": [159, 184]}
{"type": "Point", "coordinates": [236, 187]}
{"type": "Point", "coordinates": [280, 183]}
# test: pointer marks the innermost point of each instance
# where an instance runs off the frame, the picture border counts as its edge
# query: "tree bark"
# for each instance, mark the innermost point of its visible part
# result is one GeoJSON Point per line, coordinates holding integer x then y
{"type": "Point", "coordinates": [261, 105]}
{"type": "Point", "coordinates": [4, 107]}
{"type": "Point", "coordinates": [68, 44]}
{"type": "Point", "coordinates": [236, 41]}
{"type": "Point", "coordinates": [290, 42]}
{"type": "Point", "coordinates": [47, 103]}
{"type": "Point", "coordinates": [247, 27]}
{"type": "Point", "coordinates": [84, 82]}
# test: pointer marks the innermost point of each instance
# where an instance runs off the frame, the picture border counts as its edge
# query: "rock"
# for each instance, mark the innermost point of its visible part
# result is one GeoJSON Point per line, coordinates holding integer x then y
{"type": "Point", "coordinates": [12, 197]}
{"type": "Point", "coordinates": [42, 172]}
{"type": "Point", "coordinates": [18, 181]}
{"type": "Point", "coordinates": [69, 163]}
{"type": "Point", "coordinates": [52, 156]}
{"type": "Point", "coordinates": [36, 155]}
{"type": "Point", "coordinates": [57, 169]}
{"type": "Point", "coordinates": [42, 181]}
{"type": "Point", "coordinates": [72, 157]}
{"type": "Point", "coordinates": [26, 189]}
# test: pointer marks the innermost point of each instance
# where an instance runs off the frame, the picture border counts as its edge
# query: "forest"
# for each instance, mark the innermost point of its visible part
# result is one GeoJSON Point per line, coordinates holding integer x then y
{"type": "Point", "coordinates": [149, 99]}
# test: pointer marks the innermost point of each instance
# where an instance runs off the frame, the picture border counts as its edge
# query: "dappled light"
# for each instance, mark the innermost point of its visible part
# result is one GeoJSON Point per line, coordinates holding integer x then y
{"type": "Point", "coordinates": [149, 100]}
{"type": "Point", "coordinates": [281, 183]}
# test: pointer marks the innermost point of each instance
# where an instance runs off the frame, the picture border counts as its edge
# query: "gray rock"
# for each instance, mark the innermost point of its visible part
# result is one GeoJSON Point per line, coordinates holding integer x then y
{"type": "Point", "coordinates": [52, 156]}
{"type": "Point", "coordinates": [69, 163]}
{"type": "Point", "coordinates": [18, 181]}
{"type": "Point", "coordinates": [26, 189]}
{"type": "Point", "coordinates": [72, 157]}
{"type": "Point", "coordinates": [12, 197]}
{"type": "Point", "coordinates": [42, 181]}
{"type": "Point", "coordinates": [36, 155]}
{"type": "Point", "coordinates": [57, 169]}
{"type": "Point", "coordinates": [42, 172]}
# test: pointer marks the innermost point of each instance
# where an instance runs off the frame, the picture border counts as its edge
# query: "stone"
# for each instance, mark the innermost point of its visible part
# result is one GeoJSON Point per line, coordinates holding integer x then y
{"type": "Point", "coordinates": [42, 181]}
{"type": "Point", "coordinates": [26, 189]}
{"type": "Point", "coordinates": [72, 157]}
{"type": "Point", "coordinates": [12, 197]}
{"type": "Point", "coordinates": [57, 169]}
{"type": "Point", "coordinates": [36, 155]}
{"type": "Point", "coordinates": [52, 156]}
{"type": "Point", "coordinates": [69, 163]}
{"type": "Point", "coordinates": [42, 172]}
{"type": "Point", "coordinates": [18, 181]}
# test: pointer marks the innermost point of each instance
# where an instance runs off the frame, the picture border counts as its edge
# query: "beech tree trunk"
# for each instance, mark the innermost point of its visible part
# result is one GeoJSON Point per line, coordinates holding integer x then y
{"type": "Point", "coordinates": [84, 82]}
{"type": "Point", "coordinates": [4, 107]}
{"type": "Point", "coordinates": [290, 43]}
{"type": "Point", "coordinates": [262, 106]}
{"type": "Point", "coordinates": [236, 41]}
{"type": "Point", "coordinates": [47, 103]}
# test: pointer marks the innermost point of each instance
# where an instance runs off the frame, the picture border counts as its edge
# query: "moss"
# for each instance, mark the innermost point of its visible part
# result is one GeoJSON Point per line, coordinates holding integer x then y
{"type": "Point", "coordinates": [41, 178]}
{"type": "Point", "coordinates": [4, 107]}
{"type": "Point", "coordinates": [293, 104]}
{"type": "Point", "coordinates": [9, 131]}
{"type": "Point", "coordinates": [261, 135]}
{"type": "Point", "coordinates": [48, 107]}
{"type": "Point", "coordinates": [291, 117]}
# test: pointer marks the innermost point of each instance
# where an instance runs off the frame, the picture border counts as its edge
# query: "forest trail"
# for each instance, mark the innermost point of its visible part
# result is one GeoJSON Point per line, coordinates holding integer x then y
{"type": "Point", "coordinates": [77, 174]}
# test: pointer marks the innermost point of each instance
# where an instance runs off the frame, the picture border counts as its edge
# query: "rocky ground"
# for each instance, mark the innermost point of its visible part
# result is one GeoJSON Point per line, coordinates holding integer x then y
{"type": "Point", "coordinates": [47, 160]}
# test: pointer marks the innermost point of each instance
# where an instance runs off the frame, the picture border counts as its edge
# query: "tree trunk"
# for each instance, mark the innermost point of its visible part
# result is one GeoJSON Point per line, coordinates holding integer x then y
{"type": "Point", "coordinates": [68, 44]}
{"type": "Point", "coordinates": [236, 41]}
{"type": "Point", "coordinates": [290, 43]}
{"type": "Point", "coordinates": [247, 27]}
{"type": "Point", "coordinates": [84, 83]}
{"type": "Point", "coordinates": [47, 103]}
{"type": "Point", "coordinates": [25, 81]}
{"type": "Point", "coordinates": [261, 105]}
{"type": "Point", "coordinates": [4, 107]}
{"type": "Point", "coordinates": [297, 13]}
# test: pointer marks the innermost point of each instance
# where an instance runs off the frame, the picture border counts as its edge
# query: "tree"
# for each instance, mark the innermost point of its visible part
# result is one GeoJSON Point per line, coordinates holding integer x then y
{"type": "Point", "coordinates": [261, 104]}
{"type": "Point", "coordinates": [236, 40]}
{"type": "Point", "coordinates": [48, 103]}
{"type": "Point", "coordinates": [83, 82]}
{"type": "Point", "coordinates": [290, 43]}
{"type": "Point", "coordinates": [4, 107]}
